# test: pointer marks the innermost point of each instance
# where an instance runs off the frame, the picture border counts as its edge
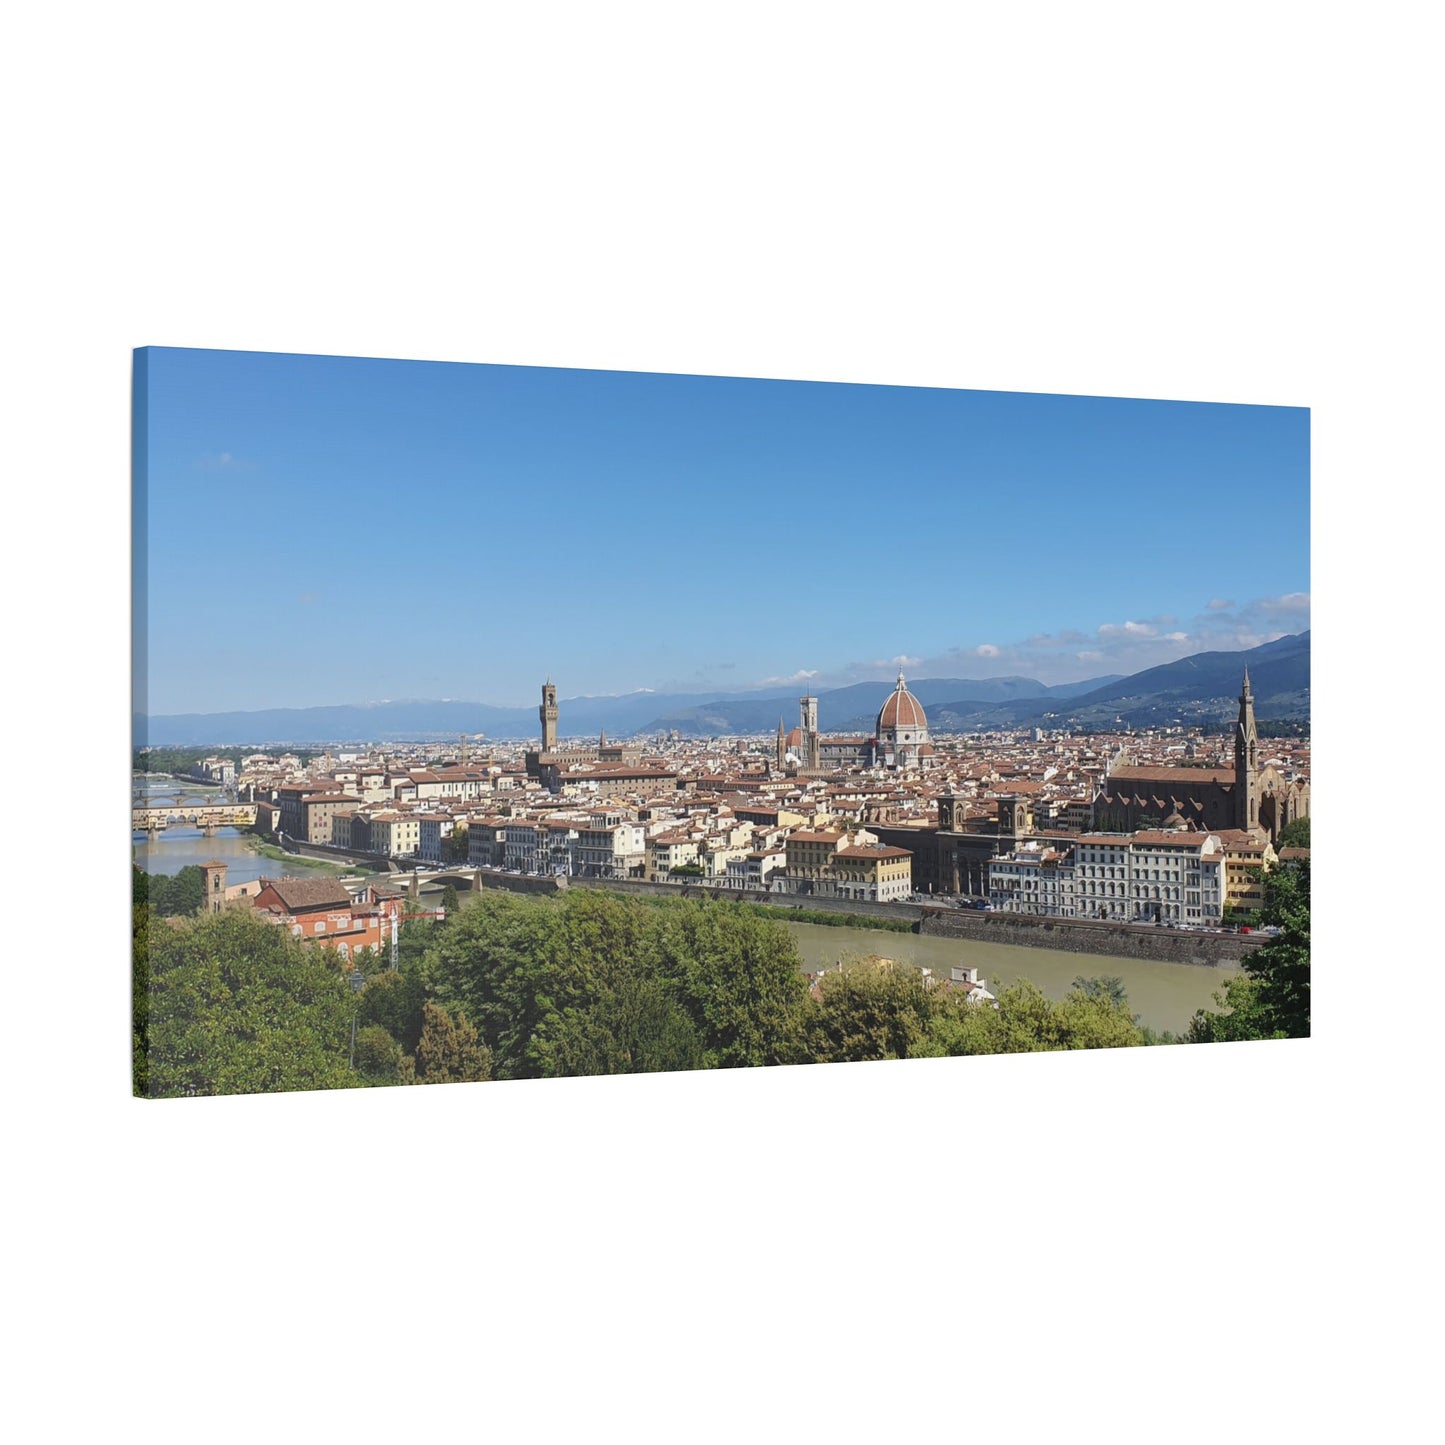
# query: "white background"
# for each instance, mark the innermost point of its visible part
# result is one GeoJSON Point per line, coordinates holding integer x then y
{"type": "Point", "coordinates": [1226, 204]}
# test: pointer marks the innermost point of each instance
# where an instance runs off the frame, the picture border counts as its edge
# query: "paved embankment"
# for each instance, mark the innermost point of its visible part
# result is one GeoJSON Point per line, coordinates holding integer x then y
{"type": "Point", "coordinates": [1160, 945]}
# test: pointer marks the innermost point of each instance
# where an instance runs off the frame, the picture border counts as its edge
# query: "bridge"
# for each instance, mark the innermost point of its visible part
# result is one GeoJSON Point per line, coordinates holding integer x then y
{"type": "Point", "coordinates": [206, 817]}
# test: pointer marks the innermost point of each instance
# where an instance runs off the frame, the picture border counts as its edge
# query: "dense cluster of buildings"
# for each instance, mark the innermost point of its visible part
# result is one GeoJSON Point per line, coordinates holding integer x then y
{"type": "Point", "coordinates": [1167, 826]}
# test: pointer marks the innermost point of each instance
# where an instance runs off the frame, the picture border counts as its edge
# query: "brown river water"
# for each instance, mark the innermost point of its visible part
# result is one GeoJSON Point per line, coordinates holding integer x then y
{"type": "Point", "coordinates": [1163, 995]}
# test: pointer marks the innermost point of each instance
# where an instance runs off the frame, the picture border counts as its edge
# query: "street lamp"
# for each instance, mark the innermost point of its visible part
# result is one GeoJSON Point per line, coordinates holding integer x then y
{"type": "Point", "coordinates": [358, 982]}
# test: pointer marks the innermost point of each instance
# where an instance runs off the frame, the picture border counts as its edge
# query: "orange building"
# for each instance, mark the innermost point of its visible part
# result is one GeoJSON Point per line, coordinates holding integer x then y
{"type": "Point", "coordinates": [319, 910]}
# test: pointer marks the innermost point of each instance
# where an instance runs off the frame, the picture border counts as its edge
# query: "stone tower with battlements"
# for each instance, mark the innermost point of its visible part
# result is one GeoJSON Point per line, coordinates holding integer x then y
{"type": "Point", "coordinates": [812, 750]}
{"type": "Point", "coordinates": [213, 886]}
{"type": "Point", "coordinates": [548, 715]}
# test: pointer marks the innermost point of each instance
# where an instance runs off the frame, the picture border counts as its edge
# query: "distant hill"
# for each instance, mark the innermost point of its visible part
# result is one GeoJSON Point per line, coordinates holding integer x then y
{"type": "Point", "coordinates": [421, 720]}
{"type": "Point", "coordinates": [1201, 690]}
{"type": "Point", "coordinates": [1205, 688]}
{"type": "Point", "coordinates": [852, 709]}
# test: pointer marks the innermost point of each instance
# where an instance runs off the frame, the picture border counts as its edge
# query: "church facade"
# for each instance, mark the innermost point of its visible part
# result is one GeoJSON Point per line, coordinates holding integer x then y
{"type": "Point", "coordinates": [1255, 799]}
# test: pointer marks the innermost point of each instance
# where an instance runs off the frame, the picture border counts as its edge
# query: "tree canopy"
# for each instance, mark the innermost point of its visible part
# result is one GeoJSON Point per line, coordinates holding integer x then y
{"type": "Point", "coordinates": [868, 1012]}
{"type": "Point", "coordinates": [1271, 998]}
{"type": "Point", "coordinates": [179, 896]}
{"type": "Point", "coordinates": [231, 1004]}
{"type": "Point", "coordinates": [515, 986]}
{"type": "Point", "coordinates": [594, 983]}
{"type": "Point", "coordinates": [1026, 1021]}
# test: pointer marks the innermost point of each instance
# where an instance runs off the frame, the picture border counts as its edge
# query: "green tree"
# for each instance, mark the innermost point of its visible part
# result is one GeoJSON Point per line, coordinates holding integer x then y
{"type": "Point", "coordinates": [506, 962]}
{"type": "Point", "coordinates": [1240, 1016]}
{"type": "Point", "coordinates": [867, 1013]}
{"type": "Point", "coordinates": [1271, 999]}
{"type": "Point", "coordinates": [233, 1005]}
{"type": "Point", "coordinates": [449, 1051]}
{"type": "Point", "coordinates": [636, 1026]}
{"type": "Point", "coordinates": [740, 978]}
{"type": "Point", "coordinates": [454, 847]}
{"type": "Point", "coordinates": [1109, 987]}
{"type": "Point", "coordinates": [1295, 835]}
{"type": "Point", "coordinates": [1026, 1021]}
{"type": "Point", "coordinates": [378, 1055]}
{"type": "Point", "coordinates": [140, 997]}
{"type": "Point", "coordinates": [179, 896]}
{"type": "Point", "coordinates": [544, 979]}
{"type": "Point", "coordinates": [393, 1000]}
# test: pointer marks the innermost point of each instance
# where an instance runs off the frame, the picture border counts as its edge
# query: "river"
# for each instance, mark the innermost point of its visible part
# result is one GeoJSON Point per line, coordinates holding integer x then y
{"type": "Point", "coordinates": [175, 848]}
{"type": "Point", "coordinates": [1163, 995]}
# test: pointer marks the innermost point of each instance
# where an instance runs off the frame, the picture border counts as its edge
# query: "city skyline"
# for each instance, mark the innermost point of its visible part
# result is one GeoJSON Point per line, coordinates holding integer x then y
{"type": "Point", "coordinates": [399, 529]}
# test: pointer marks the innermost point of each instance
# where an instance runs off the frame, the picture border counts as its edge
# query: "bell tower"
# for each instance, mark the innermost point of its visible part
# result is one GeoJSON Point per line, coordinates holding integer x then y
{"type": "Point", "coordinates": [808, 708]}
{"type": "Point", "coordinates": [548, 715]}
{"type": "Point", "coordinates": [1246, 761]}
{"type": "Point", "coordinates": [213, 886]}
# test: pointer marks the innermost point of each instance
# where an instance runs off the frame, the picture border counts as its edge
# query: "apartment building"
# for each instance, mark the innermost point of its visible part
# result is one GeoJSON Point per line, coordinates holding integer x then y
{"type": "Point", "coordinates": [810, 859]}
{"type": "Point", "coordinates": [666, 851]}
{"type": "Point", "coordinates": [1173, 876]}
{"type": "Point", "coordinates": [431, 829]}
{"type": "Point", "coordinates": [1246, 862]}
{"type": "Point", "coordinates": [396, 834]}
{"type": "Point", "coordinates": [523, 845]}
{"type": "Point", "coordinates": [757, 869]}
{"type": "Point", "coordinates": [873, 872]}
{"type": "Point", "coordinates": [486, 842]}
{"type": "Point", "coordinates": [1034, 879]}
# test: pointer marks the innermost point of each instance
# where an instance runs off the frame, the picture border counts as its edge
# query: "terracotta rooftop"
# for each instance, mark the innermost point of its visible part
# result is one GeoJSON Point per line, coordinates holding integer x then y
{"type": "Point", "coordinates": [297, 893]}
{"type": "Point", "coordinates": [1171, 777]}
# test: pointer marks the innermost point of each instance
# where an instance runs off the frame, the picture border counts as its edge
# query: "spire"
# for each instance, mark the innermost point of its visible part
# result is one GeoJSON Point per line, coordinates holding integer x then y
{"type": "Point", "coordinates": [1246, 761]}
{"type": "Point", "coordinates": [901, 686]}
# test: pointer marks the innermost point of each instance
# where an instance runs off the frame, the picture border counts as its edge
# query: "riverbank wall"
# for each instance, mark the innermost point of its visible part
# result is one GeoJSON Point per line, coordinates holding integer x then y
{"type": "Point", "coordinates": [1157, 945]}
{"type": "Point", "coordinates": [894, 912]}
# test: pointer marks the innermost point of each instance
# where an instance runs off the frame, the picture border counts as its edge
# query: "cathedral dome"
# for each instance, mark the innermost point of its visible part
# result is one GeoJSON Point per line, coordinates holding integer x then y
{"type": "Point", "coordinates": [901, 710]}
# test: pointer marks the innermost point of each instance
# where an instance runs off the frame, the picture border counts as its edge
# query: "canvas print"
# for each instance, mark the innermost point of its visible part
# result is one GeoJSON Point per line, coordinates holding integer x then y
{"type": "Point", "coordinates": [497, 723]}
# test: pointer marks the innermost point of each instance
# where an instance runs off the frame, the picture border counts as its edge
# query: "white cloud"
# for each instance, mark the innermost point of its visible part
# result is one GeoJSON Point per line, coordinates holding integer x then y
{"type": "Point", "coordinates": [987, 649]}
{"type": "Point", "coordinates": [1126, 629]}
{"type": "Point", "coordinates": [803, 674]}
{"type": "Point", "coordinates": [1218, 604]}
{"type": "Point", "coordinates": [1290, 602]}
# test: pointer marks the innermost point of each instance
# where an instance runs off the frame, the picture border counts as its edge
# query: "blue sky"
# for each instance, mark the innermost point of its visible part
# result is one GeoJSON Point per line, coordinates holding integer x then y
{"type": "Point", "coordinates": [338, 530]}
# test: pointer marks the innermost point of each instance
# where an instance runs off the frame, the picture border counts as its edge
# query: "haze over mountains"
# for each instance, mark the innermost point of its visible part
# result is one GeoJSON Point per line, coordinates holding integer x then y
{"type": "Point", "coordinates": [1200, 689]}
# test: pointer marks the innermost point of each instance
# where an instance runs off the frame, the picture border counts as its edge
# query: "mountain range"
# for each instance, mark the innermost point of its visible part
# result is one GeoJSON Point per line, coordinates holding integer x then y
{"type": "Point", "coordinates": [1201, 689]}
